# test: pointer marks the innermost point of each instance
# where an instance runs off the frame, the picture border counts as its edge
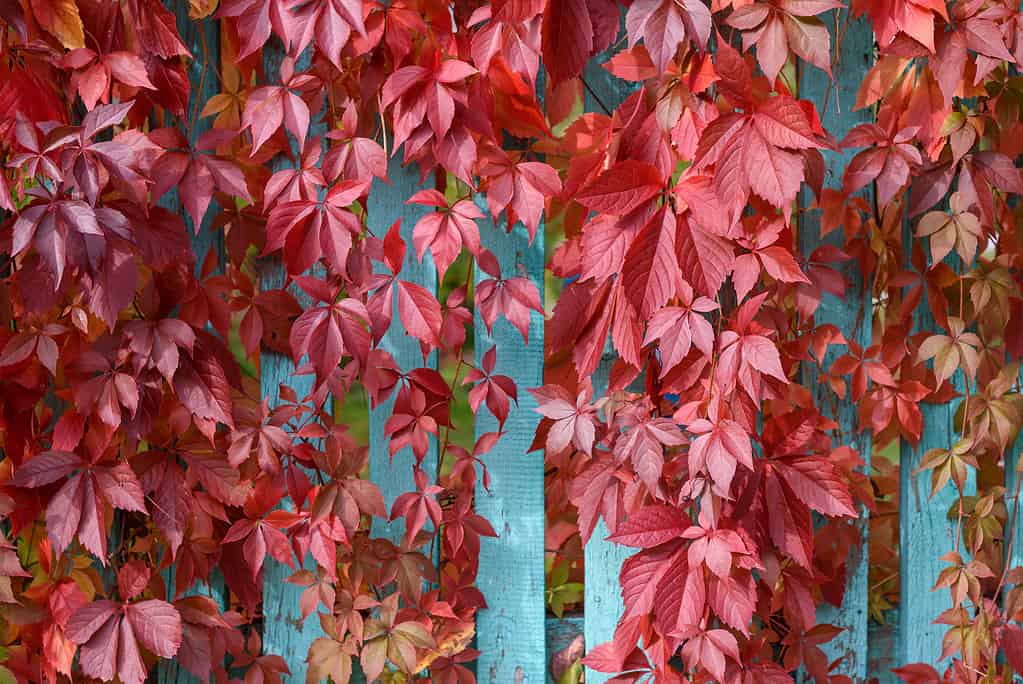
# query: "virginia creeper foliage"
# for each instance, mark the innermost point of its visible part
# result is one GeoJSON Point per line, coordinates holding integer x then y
{"type": "Point", "coordinates": [140, 458]}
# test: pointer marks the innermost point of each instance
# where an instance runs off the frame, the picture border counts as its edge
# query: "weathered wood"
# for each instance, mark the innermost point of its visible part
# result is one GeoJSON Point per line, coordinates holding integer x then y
{"type": "Point", "coordinates": [602, 560]}
{"type": "Point", "coordinates": [203, 40]}
{"type": "Point", "coordinates": [851, 313]}
{"type": "Point", "coordinates": [1014, 555]}
{"type": "Point", "coordinates": [386, 205]}
{"type": "Point", "coordinates": [510, 632]}
{"type": "Point", "coordinates": [925, 531]}
{"type": "Point", "coordinates": [171, 671]}
{"type": "Point", "coordinates": [284, 631]}
{"type": "Point", "coordinates": [882, 653]}
{"type": "Point", "coordinates": [561, 632]}
{"type": "Point", "coordinates": [204, 84]}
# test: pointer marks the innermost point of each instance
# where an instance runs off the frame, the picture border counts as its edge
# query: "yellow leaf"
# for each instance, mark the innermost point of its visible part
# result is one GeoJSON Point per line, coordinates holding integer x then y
{"type": "Point", "coordinates": [200, 9]}
{"type": "Point", "coordinates": [329, 658]}
{"type": "Point", "coordinates": [453, 643]}
{"type": "Point", "coordinates": [61, 20]}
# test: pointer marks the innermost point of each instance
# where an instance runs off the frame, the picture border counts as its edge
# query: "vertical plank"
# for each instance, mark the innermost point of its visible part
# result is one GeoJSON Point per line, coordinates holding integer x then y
{"type": "Point", "coordinates": [284, 631]}
{"type": "Point", "coordinates": [203, 40]}
{"type": "Point", "coordinates": [1014, 555]}
{"type": "Point", "coordinates": [851, 314]}
{"type": "Point", "coordinates": [602, 560]}
{"type": "Point", "coordinates": [925, 532]}
{"type": "Point", "coordinates": [386, 205]}
{"type": "Point", "coordinates": [511, 632]}
{"type": "Point", "coordinates": [561, 634]}
{"type": "Point", "coordinates": [193, 33]}
{"type": "Point", "coordinates": [882, 649]}
{"type": "Point", "coordinates": [171, 671]}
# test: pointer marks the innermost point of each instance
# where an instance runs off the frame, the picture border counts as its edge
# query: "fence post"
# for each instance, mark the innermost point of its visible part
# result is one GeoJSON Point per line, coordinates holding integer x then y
{"type": "Point", "coordinates": [602, 560]}
{"type": "Point", "coordinates": [851, 314]}
{"type": "Point", "coordinates": [193, 34]}
{"type": "Point", "coordinates": [386, 204]}
{"type": "Point", "coordinates": [925, 531]}
{"type": "Point", "coordinates": [1014, 526]}
{"type": "Point", "coordinates": [285, 633]}
{"type": "Point", "coordinates": [511, 630]}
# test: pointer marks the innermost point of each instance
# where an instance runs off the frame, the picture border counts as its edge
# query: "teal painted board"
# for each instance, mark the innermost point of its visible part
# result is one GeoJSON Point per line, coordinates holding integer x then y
{"type": "Point", "coordinates": [171, 671]}
{"type": "Point", "coordinates": [602, 560]}
{"type": "Point", "coordinates": [386, 205]}
{"type": "Point", "coordinates": [851, 314]}
{"type": "Point", "coordinates": [925, 531]}
{"type": "Point", "coordinates": [882, 648]}
{"type": "Point", "coordinates": [602, 90]}
{"type": "Point", "coordinates": [510, 631]}
{"type": "Point", "coordinates": [203, 84]}
{"type": "Point", "coordinates": [284, 631]}
{"type": "Point", "coordinates": [1014, 555]}
{"type": "Point", "coordinates": [602, 598]}
{"type": "Point", "coordinates": [561, 635]}
{"type": "Point", "coordinates": [193, 33]}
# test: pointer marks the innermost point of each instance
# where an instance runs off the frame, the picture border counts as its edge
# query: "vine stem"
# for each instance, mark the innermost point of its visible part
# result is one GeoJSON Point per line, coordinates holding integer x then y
{"type": "Point", "coordinates": [447, 430]}
{"type": "Point", "coordinates": [966, 417]}
{"type": "Point", "coordinates": [202, 79]}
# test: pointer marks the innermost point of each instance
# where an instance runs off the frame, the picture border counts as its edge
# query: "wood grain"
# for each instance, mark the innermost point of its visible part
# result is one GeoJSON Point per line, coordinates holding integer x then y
{"type": "Point", "coordinates": [925, 531]}
{"type": "Point", "coordinates": [193, 34]}
{"type": "Point", "coordinates": [386, 205]}
{"type": "Point", "coordinates": [510, 631]}
{"type": "Point", "coordinates": [284, 631]}
{"type": "Point", "coordinates": [851, 314]}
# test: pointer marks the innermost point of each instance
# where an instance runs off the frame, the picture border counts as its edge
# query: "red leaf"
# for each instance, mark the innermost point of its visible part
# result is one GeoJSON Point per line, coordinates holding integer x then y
{"type": "Point", "coordinates": [817, 485]}
{"type": "Point", "coordinates": [622, 188]}
{"type": "Point", "coordinates": [420, 313]}
{"type": "Point", "coordinates": [705, 259]}
{"type": "Point", "coordinates": [44, 468]}
{"type": "Point", "coordinates": [567, 38]}
{"type": "Point", "coordinates": [651, 271]}
{"type": "Point", "coordinates": [202, 387]}
{"type": "Point", "coordinates": [1012, 644]}
{"type": "Point", "coordinates": [651, 526]}
{"type": "Point", "coordinates": [663, 24]}
{"type": "Point", "coordinates": [132, 579]}
{"type": "Point", "coordinates": [640, 575]}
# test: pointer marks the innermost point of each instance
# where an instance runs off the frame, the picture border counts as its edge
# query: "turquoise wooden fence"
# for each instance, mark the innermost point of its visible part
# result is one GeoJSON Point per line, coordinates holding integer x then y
{"type": "Point", "coordinates": [515, 635]}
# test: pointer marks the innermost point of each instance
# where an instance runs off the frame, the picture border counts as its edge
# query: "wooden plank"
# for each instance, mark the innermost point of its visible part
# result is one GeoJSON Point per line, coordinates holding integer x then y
{"type": "Point", "coordinates": [1014, 555]}
{"type": "Point", "coordinates": [561, 632]}
{"type": "Point", "coordinates": [171, 671]}
{"type": "Point", "coordinates": [510, 632]}
{"type": "Point", "coordinates": [386, 205]}
{"type": "Point", "coordinates": [925, 531]}
{"type": "Point", "coordinates": [284, 631]}
{"type": "Point", "coordinates": [203, 40]}
{"type": "Point", "coordinates": [851, 314]}
{"type": "Point", "coordinates": [881, 659]}
{"type": "Point", "coordinates": [203, 87]}
{"type": "Point", "coordinates": [602, 560]}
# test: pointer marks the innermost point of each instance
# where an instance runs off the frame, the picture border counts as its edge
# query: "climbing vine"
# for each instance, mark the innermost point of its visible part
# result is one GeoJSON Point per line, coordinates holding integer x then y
{"type": "Point", "coordinates": [173, 222]}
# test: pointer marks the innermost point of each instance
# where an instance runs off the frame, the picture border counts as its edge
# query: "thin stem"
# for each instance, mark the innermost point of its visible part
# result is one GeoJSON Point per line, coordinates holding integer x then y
{"type": "Point", "coordinates": [202, 79]}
